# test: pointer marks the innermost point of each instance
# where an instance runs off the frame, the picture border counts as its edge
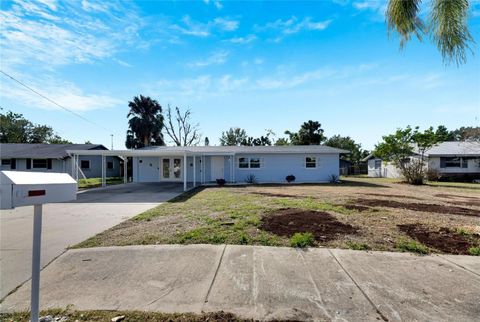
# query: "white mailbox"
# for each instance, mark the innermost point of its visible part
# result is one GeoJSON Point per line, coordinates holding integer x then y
{"type": "Point", "coordinates": [18, 188]}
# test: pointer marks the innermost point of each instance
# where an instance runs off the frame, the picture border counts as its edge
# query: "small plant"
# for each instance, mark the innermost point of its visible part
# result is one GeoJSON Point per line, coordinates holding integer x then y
{"type": "Point", "coordinates": [357, 246]}
{"type": "Point", "coordinates": [290, 178]}
{"type": "Point", "coordinates": [433, 175]}
{"type": "Point", "coordinates": [474, 251]}
{"type": "Point", "coordinates": [243, 239]}
{"type": "Point", "coordinates": [462, 231]}
{"type": "Point", "coordinates": [412, 246]}
{"type": "Point", "coordinates": [221, 182]}
{"type": "Point", "coordinates": [302, 240]}
{"type": "Point", "coordinates": [333, 178]}
{"type": "Point", "coordinates": [251, 178]}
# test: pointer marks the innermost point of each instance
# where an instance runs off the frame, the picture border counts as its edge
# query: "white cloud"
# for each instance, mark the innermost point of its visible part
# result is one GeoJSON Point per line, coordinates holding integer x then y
{"type": "Point", "coordinates": [377, 6]}
{"type": "Point", "coordinates": [66, 33]}
{"type": "Point", "coordinates": [258, 61]}
{"type": "Point", "coordinates": [64, 93]}
{"type": "Point", "coordinates": [292, 26]}
{"type": "Point", "coordinates": [243, 40]}
{"type": "Point", "coordinates": [226, 24]}
{"type": "Point", "coordinates": [199, 29]}
{"type": "Point", "coordinates": [215, 58]}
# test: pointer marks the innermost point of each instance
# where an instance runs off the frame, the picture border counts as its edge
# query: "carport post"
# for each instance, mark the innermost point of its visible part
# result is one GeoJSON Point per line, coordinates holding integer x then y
{"type": "Point", "coordinates": [194, 174]}
{"type": "Point", "coordinates": [36, 248]}
{"type": "Point", "coordinates": [104, 181]}
{"type": "Point", "coordinates": [125, 164]}
{"type": "Point", "coordinates": [184, 171]}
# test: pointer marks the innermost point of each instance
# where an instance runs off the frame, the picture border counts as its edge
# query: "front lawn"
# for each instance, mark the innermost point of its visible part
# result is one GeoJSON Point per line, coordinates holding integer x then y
{"type": "Point", "coordinates": [359, 214]}
{"type": "Point", "coordinates": [97, 182]}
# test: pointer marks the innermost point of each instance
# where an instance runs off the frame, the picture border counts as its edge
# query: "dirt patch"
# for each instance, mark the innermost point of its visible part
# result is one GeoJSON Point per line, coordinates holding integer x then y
{"type": "Point", "coordinates": [444, 239]}
{"type": "Point", "coordinates": [359, 208]}
{"type": "Point", "coordinates": [451, 210]}
{"type": "Point", "coordinates": [322, 225]}
{"type": "Point", "coordinates": [448, 196]}
{"type": "Point", "coordinates": [279, 195]}
{"type": "Point", "coordinates": [465, 203]}
{"type": "Point", "coordinates": [393, 196]}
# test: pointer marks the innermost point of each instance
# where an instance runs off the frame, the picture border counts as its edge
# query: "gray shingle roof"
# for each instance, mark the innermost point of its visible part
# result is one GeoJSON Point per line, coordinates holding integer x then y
{"type": "Point", "coordinates": [455, 149]}
{"type": "Point", "coordinates": [249, 149]}
{"type": "Point", "coordinates": [50, 151]}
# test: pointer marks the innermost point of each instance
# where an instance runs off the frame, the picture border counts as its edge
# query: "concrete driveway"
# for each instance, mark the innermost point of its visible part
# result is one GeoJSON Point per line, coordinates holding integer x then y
{"type": "Point", "coordinates": [66, 224]}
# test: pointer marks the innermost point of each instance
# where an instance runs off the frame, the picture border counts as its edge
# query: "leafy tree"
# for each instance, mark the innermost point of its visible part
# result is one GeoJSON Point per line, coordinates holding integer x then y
{"type": "Point", "coordinates": [401, 146]}
{"type": "Point", "coordinates": [181, 130]}
{"type": "Point", "coordinates": [468, 133]}
{"type": "Point", "coordinates": [310, 133]}
{"type": "Point", "coordinates": [233, 137]}
{"type": "Point", "coordinates": [145, 123]}
{"type": "Point", "coordinates": [447, 25]}
{"type": "Point", "coordinates": [14, 128]}
{"type": "Point", "coordinates": [282, 141]}
{"type": "Point", "coordinates": [443, 134]}
{"type": "Point", "coordinates": [261, 141]}
{"type": "Point", "coordinates": [347, 143]}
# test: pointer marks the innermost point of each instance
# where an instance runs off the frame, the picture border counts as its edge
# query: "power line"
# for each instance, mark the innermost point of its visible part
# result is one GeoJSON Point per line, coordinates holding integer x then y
{"type": "Point", "coordinates": [53, 102]}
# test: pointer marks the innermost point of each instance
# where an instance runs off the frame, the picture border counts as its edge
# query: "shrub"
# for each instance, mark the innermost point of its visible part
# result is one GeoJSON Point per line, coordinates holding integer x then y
{"type": "Point", "coordinates": [412, 246]}
{"type": "Point", "coordinates": [333, 178]}
{"type": "Point", "coordinates": [302, 240]}
{"type": "Point", "coordinates": [251, 178]}
{"type": "Point", "coordinates": [474, 251]}
{"type": "Point", "coordinates": [357, 246]}
{"type": "Point", "coordinates": [221, 182]}
{"type": "Point", "coordinates": [433, 175]}
{"type": "Point", "coordinates": [290, 178]}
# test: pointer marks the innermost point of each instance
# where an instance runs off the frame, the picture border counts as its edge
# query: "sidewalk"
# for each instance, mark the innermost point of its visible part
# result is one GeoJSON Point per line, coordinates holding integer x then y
{"type": "Point", "coordinates": [262, 283]}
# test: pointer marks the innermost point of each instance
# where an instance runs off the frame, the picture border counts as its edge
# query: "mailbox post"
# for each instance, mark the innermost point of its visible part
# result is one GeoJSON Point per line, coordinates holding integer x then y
{"type": "Point", "coordinates": [18, 189]}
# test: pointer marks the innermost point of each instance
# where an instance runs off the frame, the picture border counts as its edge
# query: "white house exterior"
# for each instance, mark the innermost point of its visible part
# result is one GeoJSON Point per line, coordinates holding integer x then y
{"type": "Point", "coordinates": [54, 158]}
{"type": "Point", "coordinates": [454, 159]}
{"type": "Point", "coordinates": [205, 164]}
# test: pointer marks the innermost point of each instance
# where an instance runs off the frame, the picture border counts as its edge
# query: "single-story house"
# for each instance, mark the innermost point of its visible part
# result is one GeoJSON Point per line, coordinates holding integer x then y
{"type": "Point", "coordinates": [449, 159]}
{"type": "Point", "coordinates": [197, 165]}
{"type": "Point", "coordinates": [54, 158]}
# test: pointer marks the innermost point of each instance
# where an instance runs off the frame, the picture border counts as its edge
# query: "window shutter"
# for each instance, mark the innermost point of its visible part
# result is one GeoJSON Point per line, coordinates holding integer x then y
{"type": "Point", "coordinates": [442, 162]}
{"type": "Point", "coordinates": [49, 164]}
{"type": "Point", "coordinates": [13, 164]}
{"type": "Point", "coordinates": [29, 163]}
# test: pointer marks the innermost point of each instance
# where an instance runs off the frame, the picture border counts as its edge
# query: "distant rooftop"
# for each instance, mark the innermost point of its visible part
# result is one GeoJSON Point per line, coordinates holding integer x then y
{"type": "Point", "coordinates": [45, 151]}
{"type": "Point", "coordinates": [455, 149]}
{"type": "Point", "coordinates": [249, 149]}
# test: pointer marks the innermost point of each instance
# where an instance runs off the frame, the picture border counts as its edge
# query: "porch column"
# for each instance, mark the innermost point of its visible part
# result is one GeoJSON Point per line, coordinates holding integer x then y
{"type": "Point", "coordinates": [184, 171]}
{"type": "Point", "coordinates": [76, 168]}
{"type": "Point", "coordinates": [233, 168]}
{"type": "Point", "coordinates": [194, 173]}
{"type": "Point", "coordinates": [73, 166]}
{"type": "Point", "coordinates": [104, 181]}
{"type": "Point", "coordinates": [125, 163]}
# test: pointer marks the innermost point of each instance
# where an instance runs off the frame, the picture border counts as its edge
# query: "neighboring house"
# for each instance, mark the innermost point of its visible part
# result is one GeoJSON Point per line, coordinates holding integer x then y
{"type": "Point", "coordinates": [54, 158]}
{"type": "Point", "coordinates": [449, 159]}
{"type": "Point", "coordinates": [235, 164]}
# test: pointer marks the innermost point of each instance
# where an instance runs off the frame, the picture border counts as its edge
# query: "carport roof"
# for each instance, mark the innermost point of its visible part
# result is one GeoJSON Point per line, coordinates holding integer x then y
{"type": "Point", "coordinates": [50, 151]}
{"type": "Point", "coordinates": [218, 150]}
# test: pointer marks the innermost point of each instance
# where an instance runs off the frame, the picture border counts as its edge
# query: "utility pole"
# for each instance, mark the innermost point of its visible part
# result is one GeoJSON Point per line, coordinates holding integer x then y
{"type": "Point", "coordinates": [111, 135]}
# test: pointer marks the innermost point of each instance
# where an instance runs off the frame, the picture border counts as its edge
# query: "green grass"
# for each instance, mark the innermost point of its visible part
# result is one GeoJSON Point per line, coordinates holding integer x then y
{"type": "Point", "coordinates": [97, 182]}
{"type": "Point", "coordinates": [412, 246]}
{"type": "Point", "coordinates": [137, 316]}
{"type": "Point", "coordinates": [474, 251]}
{"type": "Point", "coordinates": [357, 246]}
{"type": "Point", "coordinates": [459, 185]}
{"type": "Point", "coordinates": [302, 240]}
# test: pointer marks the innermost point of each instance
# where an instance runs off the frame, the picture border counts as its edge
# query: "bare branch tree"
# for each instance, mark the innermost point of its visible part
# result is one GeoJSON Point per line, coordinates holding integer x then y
{"type": "Point", "coordinates": [180, 129]}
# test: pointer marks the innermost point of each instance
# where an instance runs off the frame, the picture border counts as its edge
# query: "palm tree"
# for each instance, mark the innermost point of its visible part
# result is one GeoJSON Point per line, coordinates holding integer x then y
{"type": "Point", "coordinates": [145, 123]}
{"type": "Point", "coordinates": [446, 25]}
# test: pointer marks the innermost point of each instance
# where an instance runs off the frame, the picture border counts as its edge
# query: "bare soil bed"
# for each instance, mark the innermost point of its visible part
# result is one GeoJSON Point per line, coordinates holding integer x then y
{"type": "Point", "coordinates": [443, 239]}
{"type": "Point", "coordinates": [323, 226]}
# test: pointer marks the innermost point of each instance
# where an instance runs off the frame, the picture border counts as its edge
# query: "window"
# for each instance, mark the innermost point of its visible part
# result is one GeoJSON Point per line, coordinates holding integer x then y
{"type": "Point", "coordinates": [85, 164]}
{"type": "Point", "coordinates": [39, 163]}
{"type": "Point", "coordinates": [378, 164]}
{"type": "Point", "coordinates": [310, 162]}
{"type": "Point", "coordinates": [451, 162]}
{"type": "Point", "coordinates": [6, 161]}
{"type": "Point", "coordinates": [243, 163]}
{"type": "Point", "coordinates": [110, 165]}
{"type": "Point", "coordinates": [249, 163]}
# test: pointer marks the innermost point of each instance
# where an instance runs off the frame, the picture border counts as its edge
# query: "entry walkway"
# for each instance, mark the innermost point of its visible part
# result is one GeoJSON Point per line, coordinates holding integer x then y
{"type": "Point", "coordinates": [262, 283]}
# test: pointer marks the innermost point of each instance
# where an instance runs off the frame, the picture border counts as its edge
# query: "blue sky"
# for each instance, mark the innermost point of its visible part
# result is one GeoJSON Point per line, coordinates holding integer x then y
{"type": "Point", "coordinates": [256, 65]}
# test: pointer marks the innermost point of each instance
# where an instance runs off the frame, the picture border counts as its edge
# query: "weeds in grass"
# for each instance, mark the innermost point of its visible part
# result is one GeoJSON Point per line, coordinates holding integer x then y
{"type": "Point", "coordinates": [357, 246]}
{"type": "Point", "coordinates": [463, 232]}
{"type": "Point", "coordinates": [411, 246]}
{"type": "Point", "coordinates": [474, 251]}
{"type": "Point", "coordinates": [302, 240]}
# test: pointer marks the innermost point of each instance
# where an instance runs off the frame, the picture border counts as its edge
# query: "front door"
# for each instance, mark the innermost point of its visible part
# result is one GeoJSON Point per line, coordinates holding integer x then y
{"type": "Point", "coordinates": [217, 170]}
{"type": "Point", "coordinates": [171, 169]}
